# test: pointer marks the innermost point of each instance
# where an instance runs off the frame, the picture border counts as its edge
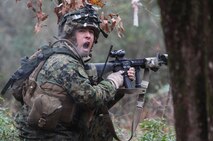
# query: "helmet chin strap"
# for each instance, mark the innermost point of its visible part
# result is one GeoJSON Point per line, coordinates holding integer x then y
{"type": "Point", "coordinates": [86, 58]}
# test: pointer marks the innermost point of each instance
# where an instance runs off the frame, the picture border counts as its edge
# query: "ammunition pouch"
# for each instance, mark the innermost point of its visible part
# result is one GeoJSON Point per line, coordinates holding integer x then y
{"type": "Point", "coordinates": [45, 112]}
{"type": "Point", "coordinates": [48, 105]}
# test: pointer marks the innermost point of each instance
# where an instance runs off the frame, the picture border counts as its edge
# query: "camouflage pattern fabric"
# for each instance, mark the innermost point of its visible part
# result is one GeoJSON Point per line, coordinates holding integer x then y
{"type": "Point", "coordinates": [99, 129]}
{"type": "Point", "coordinates": [28, 133]}
{"type": "Point", "coordinates": [69, 73]}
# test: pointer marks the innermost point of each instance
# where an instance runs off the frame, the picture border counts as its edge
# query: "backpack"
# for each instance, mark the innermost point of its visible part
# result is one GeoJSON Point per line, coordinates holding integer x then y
{"type": "Point", "coordinates": [45, 108]}
{"type": "Point", "coordinates": [28, 65]}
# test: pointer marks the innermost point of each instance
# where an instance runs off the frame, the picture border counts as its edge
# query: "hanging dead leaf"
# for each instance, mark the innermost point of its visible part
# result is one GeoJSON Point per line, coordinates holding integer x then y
{"type": "Point", "coordinates": [69, 1]}
{"type": "Point", "coordinates": [39, 3]}
{"type": "Point", "coordinates": [57, 11]}
{"type": "Point", "coordinates": [67, 6]}
{"type": "Point", "coordinates": [113, 20]}
{"type": "Point", "coordinates": [104, 25]}
{"type": "Point", "coordinates": [119, 26]}
{"type": "Point", "coordinates": [108, 23]}
{"type": "Point", "coordinates": [37, 28]}
{"type": "Point", "coordinates": [41, 16]}
{"type": "Point", "coordinates": [113, 24]}
{"type": "Point", "coordinates": [29, 4]}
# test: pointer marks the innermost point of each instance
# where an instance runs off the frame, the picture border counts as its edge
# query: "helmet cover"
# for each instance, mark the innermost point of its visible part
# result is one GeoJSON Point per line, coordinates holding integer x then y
{"type": "Point", "coordinates": [83, 17]}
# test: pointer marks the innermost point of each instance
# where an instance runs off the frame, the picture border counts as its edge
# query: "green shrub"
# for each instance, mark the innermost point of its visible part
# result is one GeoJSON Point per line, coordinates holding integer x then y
{"type": "Point", "coordinates": [156, 130]}
{"type": "Point", "coordinates": [8, 131]}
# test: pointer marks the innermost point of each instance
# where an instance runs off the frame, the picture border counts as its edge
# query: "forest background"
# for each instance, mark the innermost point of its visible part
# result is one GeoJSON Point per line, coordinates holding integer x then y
{"type": "Point", "coordinates": [17, 39]}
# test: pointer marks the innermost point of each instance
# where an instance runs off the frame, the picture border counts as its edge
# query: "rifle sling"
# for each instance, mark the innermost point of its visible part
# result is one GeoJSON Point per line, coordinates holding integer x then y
{"type": "Point", "coordinates": [140, 102]}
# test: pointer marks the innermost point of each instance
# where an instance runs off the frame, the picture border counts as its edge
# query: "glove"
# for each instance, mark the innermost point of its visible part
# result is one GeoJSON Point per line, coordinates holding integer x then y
{"type": "Point", "coordinates": [116, 78]}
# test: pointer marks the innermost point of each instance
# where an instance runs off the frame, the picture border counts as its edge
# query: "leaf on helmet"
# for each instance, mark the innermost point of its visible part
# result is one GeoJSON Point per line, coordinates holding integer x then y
{"type": "Point", "coordinates": [97, 3]}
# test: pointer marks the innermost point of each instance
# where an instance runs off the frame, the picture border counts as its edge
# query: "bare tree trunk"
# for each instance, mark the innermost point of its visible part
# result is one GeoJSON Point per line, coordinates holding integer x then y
{"type": "Point", "coordinates": [187, 27]}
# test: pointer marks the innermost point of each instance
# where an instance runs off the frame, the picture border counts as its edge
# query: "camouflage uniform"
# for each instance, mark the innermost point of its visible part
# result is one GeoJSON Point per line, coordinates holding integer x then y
{"type": "Point", "coordinates": [69, 73]}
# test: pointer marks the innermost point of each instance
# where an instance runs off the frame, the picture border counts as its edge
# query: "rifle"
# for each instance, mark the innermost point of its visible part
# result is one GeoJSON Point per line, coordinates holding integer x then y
{"type": "Point", "coordinates": [141, 83]}
{"type": "Point", "coordinates": [121, 63]}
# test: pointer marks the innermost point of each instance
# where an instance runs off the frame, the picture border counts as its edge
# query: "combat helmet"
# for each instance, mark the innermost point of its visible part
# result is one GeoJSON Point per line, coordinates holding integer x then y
{"type": "Point", "coordinates": [83, 17]}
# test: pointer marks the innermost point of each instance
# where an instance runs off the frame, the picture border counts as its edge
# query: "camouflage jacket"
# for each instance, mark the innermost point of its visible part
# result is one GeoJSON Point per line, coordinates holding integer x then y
{"type": "Point", "coordinates": [70, 74]}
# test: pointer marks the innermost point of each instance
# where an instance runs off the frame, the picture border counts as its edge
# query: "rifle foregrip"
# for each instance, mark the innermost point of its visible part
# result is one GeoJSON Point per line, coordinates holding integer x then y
{"type": "Point", "coordinates": [127, 82]}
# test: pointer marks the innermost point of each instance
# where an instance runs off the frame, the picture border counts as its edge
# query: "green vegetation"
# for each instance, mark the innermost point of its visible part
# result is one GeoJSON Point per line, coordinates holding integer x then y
{"type": "Point", "coordinates": [151, 129]}
{"type": "Point", "coordinates": [8, 131]}
{"type": "Point", "coordinates": [156, 130]}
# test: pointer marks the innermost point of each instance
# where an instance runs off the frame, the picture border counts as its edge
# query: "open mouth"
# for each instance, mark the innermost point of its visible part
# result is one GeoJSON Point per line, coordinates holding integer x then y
{"type": "Point", "coordinates": [86, 45]}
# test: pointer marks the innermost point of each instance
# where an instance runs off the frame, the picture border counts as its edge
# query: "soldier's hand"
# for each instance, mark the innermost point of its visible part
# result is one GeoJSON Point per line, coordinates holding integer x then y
{"type": "Point", "coordinates": [116, 78]}
{"type": "Point", "coordinates": [131, 73]}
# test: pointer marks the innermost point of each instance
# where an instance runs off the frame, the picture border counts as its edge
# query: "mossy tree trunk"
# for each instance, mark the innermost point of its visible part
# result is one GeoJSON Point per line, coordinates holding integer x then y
{"type": "Point", "coordinates": [188, 33]}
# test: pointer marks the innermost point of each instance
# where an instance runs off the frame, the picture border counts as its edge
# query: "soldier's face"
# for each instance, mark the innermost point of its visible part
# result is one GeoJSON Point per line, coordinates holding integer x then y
{"type": "Point", "coordinates": [85, 40]}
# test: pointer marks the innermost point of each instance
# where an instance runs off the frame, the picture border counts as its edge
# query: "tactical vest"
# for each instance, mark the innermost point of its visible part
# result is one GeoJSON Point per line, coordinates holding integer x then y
{"type": "Point", "coordinates": [48, 103]}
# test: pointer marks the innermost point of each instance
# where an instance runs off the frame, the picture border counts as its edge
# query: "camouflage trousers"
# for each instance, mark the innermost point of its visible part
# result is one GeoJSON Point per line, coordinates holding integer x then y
{"type": "Point", "coordinates": [98, 131]}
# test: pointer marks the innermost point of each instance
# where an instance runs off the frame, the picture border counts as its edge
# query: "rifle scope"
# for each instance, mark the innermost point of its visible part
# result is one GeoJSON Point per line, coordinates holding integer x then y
{"type": "Point", "coordinates": [117, 53]}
